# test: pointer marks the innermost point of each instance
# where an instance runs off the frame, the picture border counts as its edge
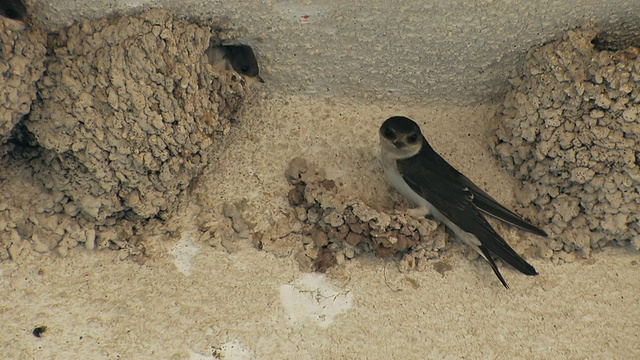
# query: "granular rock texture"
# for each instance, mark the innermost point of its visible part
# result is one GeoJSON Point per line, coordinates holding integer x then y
{"type": "Point", "coordinates": [341, 228]}
{"type": "Point", "coordinates": [22, 56]}
{"type": "Point", "coordinates": [571, 132]}
{"type": "Point", "coordinates": [130, 113]}
{"type": "Point", "coordinates": [33, 218]}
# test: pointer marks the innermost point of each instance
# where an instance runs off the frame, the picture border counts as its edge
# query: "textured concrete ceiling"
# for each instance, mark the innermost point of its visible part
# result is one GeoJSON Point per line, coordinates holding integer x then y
{"type": "Point", "coordinates": [419, 51]}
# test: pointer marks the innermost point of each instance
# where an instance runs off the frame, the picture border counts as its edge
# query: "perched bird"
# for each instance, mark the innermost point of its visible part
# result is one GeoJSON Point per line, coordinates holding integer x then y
{"type": "Point", "coordinates": [15, 11]}
{"type": "Point", "coordinates": [240, 58]}
{"type": "Point", "coordinates": [424, 177]}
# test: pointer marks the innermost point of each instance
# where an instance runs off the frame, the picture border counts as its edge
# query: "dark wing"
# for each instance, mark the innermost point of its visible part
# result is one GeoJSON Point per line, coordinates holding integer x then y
{"type": "Point", "coordinates": [489, 206]}
{"type": "Point", "coordinates": [433, 178]}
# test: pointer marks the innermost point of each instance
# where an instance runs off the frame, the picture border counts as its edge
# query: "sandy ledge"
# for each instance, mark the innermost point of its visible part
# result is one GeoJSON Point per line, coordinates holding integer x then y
{"type": "Point", "coordinates": [97, 306]}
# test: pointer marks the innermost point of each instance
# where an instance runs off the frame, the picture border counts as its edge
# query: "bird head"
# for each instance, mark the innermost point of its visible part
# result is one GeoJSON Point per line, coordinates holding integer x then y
{"type": "Point", "coordinates": [400, 137]}
{"type": "Point", "coordinates": [244, 61]}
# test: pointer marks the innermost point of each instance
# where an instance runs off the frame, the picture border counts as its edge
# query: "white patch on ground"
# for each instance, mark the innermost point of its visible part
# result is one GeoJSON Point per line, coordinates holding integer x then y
{"type": "Point", "coordinates": [184, 251]}
{"type": "Point", "coordinates": [196, 356]}
{"type": "Point", "coordinates": [312, 299]}
{"type": "Point", "coordinates": [235, 350]}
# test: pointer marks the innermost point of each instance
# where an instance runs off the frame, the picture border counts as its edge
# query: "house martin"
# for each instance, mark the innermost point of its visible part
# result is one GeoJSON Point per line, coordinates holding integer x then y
{"type": "Point", "coordinates": [415, 170]}
{"type": "Point", "coordinates": [239, 58]}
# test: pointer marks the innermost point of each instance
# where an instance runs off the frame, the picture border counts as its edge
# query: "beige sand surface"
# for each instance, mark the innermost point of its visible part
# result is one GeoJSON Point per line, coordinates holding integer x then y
{"type": "Point", "coordinates": [229, 302]}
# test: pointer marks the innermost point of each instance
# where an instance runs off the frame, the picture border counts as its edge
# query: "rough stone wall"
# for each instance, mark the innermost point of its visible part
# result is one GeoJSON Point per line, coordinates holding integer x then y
{"type": "Point", "coordinates": [571, 132]}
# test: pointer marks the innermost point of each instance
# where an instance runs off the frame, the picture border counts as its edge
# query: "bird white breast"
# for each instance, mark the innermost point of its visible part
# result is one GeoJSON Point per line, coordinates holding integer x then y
{"type": "Point", "coordinates": [394, 177]}
{"type": "Point", "coordinates": [215, 55]}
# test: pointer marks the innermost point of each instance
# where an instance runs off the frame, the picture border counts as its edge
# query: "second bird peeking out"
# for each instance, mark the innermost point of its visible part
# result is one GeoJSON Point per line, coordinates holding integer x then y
{"type": "Point", "coordinates": [424, 177]}
{"type": "Point", "coordinates": [239, 58]}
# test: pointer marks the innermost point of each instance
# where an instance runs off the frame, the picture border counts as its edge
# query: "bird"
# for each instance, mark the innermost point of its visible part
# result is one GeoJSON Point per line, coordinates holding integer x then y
{"type": "Point", "coordinates": [420, 174]}
{"type": "Point", "coordinates": [15, 11]}
{"type": "Point", "coordinates": [240, 58]}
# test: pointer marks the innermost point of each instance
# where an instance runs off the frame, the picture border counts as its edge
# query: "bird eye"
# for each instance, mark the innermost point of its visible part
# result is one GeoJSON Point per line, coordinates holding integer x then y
{"type": "Point", "coordinates": [244, 69]}
{"type": "Point", "coordinates": [411, 139]}
{"type": "Point", "coordinates": [389, 134]}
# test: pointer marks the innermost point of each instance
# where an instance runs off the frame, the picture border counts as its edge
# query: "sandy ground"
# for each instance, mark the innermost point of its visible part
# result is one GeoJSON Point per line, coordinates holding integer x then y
{"type": "Point", "coordinates": [194, 301]}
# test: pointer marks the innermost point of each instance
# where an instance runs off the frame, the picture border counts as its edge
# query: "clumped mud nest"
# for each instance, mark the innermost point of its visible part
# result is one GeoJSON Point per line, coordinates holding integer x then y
{"type": "Point", "coordinates": [129, 111]}
{"type": "Point", "coordinates": [21, 66]}
{"type": "Point", "coordinates": [341, 228]}
{"type": "Point", "coordinates": [570, 130]}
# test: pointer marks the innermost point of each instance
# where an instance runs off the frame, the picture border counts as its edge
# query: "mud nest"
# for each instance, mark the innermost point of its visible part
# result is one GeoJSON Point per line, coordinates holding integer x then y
{"type": "Point", "coordinates": [342, 228]}
{"type": "Point", "coordinates": [22, 56]}
{"type": "Point", "coordinates": [129, 111]}
{"type": "Point", "coordinates": [570, 130]}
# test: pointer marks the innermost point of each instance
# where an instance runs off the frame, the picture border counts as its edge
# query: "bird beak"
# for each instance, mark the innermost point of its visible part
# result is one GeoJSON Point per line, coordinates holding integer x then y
{"type": "Point", "coordinates": [398, 144]}
{"type": "Point", "coordinates": [252, 79]}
